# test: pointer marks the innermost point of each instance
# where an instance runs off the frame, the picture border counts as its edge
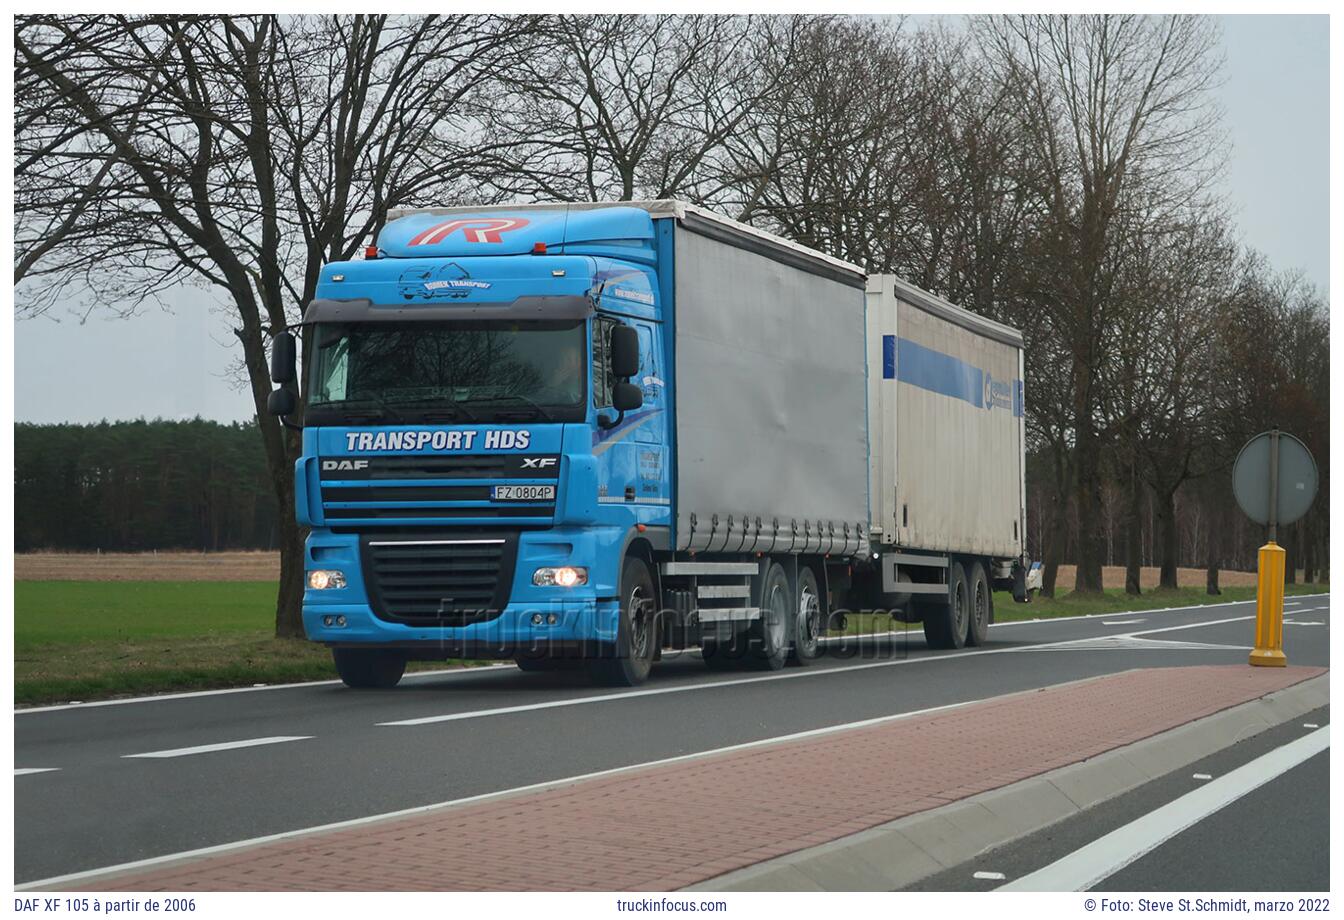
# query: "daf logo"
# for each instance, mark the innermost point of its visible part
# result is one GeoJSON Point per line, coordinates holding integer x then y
{"type": "Point", "coordinates": [345, 464]}
{"type": "Point", "coordinates": [534, 463]}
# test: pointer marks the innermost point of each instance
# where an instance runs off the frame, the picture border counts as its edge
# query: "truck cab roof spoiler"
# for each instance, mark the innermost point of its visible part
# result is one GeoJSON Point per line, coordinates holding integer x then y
{"type": "Point", "coordinates": [695, 219]}
{"type": "Point", "coordinates": [363, 310]}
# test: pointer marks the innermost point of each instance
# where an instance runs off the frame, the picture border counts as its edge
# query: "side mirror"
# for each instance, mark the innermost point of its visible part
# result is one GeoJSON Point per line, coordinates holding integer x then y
{"type": "Point", "coordinates": [283, 358]}
{"type": "Point", "coordinates": [282, 402]}
{"type": "Point", "coordinates": [624, 352]}
{"type": "Point", "coordinates": [626, 397]}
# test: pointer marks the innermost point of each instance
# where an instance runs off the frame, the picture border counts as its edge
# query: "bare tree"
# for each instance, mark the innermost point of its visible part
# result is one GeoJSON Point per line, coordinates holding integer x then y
{"type": "Point", "coordinates": [608, 107]}
{"type": "Point", "coordinates": [1106, 102]}
{"type": "Point", "coordinates": [238, 153]}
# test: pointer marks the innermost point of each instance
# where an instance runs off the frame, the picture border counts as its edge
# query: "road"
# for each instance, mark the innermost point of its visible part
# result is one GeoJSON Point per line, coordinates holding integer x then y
{"type": "Point", "coordinates": [318, 754]}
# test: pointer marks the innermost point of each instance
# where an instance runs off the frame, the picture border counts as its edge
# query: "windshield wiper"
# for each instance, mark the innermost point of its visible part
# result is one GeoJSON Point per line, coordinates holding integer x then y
{"type": "Point", "coordinates": [353, 408]}
{"type": "Point", "coordinates": [517, 396]}
{"type": "Point", "coordinates": [437, 409]}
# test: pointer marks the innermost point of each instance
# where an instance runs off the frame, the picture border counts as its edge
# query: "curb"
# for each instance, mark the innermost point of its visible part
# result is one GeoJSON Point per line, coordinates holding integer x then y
{"type": "Point", "coordinates": [893, 855]}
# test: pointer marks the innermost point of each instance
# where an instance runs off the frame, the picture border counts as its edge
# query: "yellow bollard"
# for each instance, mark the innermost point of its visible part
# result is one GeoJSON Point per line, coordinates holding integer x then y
{"type": "Point", "coordinates": [1268, 652]}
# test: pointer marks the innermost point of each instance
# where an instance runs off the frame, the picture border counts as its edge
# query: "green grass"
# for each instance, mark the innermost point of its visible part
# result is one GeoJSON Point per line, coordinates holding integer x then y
{"type": "Point", "coordinates": [1115, 600]}
{"type": "Point", "coordinates": [86, 640]}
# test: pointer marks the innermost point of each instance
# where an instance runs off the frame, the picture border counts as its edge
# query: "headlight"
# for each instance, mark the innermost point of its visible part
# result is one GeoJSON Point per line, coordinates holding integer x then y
{"type": "Point", "coordinates": [565, 576]}
{"type": "Point", "coordinates": [322, 579]}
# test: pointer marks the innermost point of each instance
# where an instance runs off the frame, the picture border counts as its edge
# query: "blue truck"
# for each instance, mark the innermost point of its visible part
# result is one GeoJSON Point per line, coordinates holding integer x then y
{"type": "Point", "coordinates": [586, 435]}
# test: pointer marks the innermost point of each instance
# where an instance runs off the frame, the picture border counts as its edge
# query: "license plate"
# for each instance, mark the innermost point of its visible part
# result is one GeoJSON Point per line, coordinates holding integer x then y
{"type": "Point", "coordinates": [523, 493]}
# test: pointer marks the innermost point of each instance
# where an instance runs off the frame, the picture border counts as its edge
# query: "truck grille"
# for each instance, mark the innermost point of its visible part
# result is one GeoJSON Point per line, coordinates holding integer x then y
{"type": "Point", "coordinates": [423, 489]}
{"type": "Point", "coordinates": [445, 580]}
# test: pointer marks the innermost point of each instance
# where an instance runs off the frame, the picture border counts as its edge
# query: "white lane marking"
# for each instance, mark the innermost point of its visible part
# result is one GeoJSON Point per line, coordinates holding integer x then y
{"type": "Point", "coordinates": [990, 876]}
{"type": "Point", "coordinates": [24, 771]}
{"type": "Point", "coordinates": [193, 694]}
{"type": "Point", "coordinates": [224, 746]}
{"type": "Point", "coordinates": [709, 685]}
{"type": "Point", "coordinates": [1201, 776]}
{"type": "Point", "coordinates": [1109, 854]}
{"type": "Point", "coordinates": [1122, 622]}
{"type": "Point", "coordinates": [62, 880]}
{"type": "Point", "coordinates": [1310, 725]}
{"type": "Point", "coordinates": [477, 671]}
{"type": "Point", "coordinates": [1131, 642]}
{"type": "Point", "coordinates": [1303, 623]}
{"type": "Point", "coordinates": [790, 675]}
{"type": "Point", "coordinates": [1149, 632]}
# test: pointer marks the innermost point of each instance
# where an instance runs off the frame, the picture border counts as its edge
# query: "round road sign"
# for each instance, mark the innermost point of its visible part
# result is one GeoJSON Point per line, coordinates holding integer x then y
{"type": "Point", "coordinates": [1296, 474]}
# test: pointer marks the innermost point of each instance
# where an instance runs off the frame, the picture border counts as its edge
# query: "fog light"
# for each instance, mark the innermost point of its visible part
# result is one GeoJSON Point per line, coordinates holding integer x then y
{"type": "Point", "coordinates": [536, 619]}
{"type": "Point", "coordinates": [323, 579]}
{"type": "Point", "coordinates": [340, 621]}
{"type": "Point", "coordinates": [326, 621]}
{"type": "Point", "coordinates": [552, 619]}
{"type": "Point", "coordinates": [565, 576]}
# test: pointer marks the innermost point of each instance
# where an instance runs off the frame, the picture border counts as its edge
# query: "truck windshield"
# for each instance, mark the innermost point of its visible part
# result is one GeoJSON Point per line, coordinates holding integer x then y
{"type": "Point", "coordinates": [479, 371]}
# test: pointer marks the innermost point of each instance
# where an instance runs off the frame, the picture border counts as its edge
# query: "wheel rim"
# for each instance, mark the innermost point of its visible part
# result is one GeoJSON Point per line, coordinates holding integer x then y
{"type": "Point", "coordinates": [775, 613]}
{"type": "Point", "coordinates": [959, 607]}
{"type": "Point", "coordinates": [981, 605]}
{"type": "Point", "coordinates": [809, 610]}
{"type": "Point", "coordinates": [638, 606]}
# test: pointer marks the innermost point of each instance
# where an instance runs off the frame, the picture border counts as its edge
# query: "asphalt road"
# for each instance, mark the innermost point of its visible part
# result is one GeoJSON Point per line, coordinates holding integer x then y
{"type": "Point", "coordinates": [99, 804]}
{"type": "Point", "coordinates": [1275, 838]}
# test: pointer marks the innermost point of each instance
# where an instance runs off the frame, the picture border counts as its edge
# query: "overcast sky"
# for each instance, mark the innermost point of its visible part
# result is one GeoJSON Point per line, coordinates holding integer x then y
{"type": "Point", "coordinates": [175, 364]}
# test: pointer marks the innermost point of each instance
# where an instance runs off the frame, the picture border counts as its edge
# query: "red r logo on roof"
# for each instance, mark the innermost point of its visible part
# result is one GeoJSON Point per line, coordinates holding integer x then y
{"type": "Point", "coordinates": [475, 229]}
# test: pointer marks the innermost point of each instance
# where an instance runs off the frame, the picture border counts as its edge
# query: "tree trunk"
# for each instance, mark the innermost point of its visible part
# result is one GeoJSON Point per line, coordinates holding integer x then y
{"type": "Point", "coordinates": [1133, 535]}
{"type": "Point", "coordinates": [282, 450]}
{"type": "Point", "coordinates": [1167, 525]}
{"type": "Point", "coordinates": [1055, 545]}
{"type": "Point", "coordinates": [1088, 494]}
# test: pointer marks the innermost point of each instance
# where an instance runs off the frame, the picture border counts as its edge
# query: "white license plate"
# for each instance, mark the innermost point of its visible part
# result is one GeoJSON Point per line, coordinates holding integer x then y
{"type": "Point", "coordinates": [523, 493]}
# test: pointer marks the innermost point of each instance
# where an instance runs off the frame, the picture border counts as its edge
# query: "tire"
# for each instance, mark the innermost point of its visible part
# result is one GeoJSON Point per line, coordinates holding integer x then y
{"type": "Point", "coordinates": [807, 625]}
{"type": "Point", "coordinates": [637, 636]}
{"type": "Point", "coordinates": [770, 634]}
{"type": "Point", "coordinates": [945, 624]}
{"type": "Point", "coordinates": [981, 606]}
{"type": "Point", "coordinates": [369, 669]}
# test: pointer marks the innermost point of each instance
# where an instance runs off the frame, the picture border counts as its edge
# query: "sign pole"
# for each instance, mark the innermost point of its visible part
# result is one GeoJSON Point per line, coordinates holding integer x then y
{"type": "Point", "coordinates": [1268, 651]}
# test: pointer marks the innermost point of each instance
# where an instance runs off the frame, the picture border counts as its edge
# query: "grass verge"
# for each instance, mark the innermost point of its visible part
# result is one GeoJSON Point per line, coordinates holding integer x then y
{"type": "Point", "coordinates": [1115, 600]}
{"type": "Point", "coordinates": [88, 640]}
{"type": "Point", "coordinates": [76, 640]}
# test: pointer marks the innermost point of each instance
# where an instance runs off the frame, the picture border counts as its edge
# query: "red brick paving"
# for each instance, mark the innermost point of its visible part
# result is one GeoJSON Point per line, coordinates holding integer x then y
{"type": "Point", "coordinates": [663, 828]}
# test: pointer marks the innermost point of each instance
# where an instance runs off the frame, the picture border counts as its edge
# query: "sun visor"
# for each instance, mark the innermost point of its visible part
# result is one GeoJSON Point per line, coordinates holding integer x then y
{"type": "Point", "coordinates": [493, 232]}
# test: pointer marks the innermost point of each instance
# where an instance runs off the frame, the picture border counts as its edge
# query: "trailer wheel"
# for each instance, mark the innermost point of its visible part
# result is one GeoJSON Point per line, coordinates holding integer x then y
{"type": "Point", "coordinates": [981, 606]}
{"type": "Point", "coordinates": [945, 624]}
{"type": "Point", "coordinates": [770, 633]}
{"type": "Point", "coordinates": [637, 635]}
{"type": "Point", "coordinates": [367, 668]}
{"type": "Point", "coordinates": [807, 623]}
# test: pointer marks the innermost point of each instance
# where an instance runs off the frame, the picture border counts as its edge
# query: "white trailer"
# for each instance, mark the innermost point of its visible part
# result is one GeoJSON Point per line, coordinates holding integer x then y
{"type": "Point", "coordinates": [946, 460]}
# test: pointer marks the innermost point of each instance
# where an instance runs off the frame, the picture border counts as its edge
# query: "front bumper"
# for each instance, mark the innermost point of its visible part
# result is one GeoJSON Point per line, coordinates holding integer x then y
{"type": "Point", "coordinates": [532, 618]}
{"type": "Point", "coordinates": [511, 633]}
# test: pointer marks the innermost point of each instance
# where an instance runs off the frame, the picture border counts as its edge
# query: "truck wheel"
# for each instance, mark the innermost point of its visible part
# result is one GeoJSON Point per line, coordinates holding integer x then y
{"type": "Point", "coordinates": [945, 624]}
{"type": "Point", "coordinates": [369, 669]}
{"type": "Point", "coordinates": [807, 624]}
{"type": "Point", "coordinates": [771, 632]}
{"type": "Point", "coordinates": [637, 631]}
{"type": "Point", "coordinates": [981, 600]}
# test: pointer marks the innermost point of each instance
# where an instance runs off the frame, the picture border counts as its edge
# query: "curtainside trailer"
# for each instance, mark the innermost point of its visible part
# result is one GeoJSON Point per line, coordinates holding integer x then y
{"type": "Point", "coordinates": [593, 433]}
